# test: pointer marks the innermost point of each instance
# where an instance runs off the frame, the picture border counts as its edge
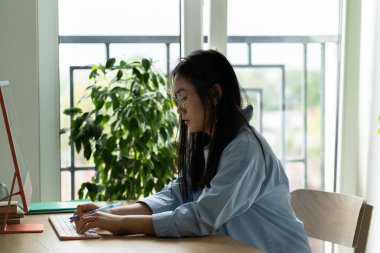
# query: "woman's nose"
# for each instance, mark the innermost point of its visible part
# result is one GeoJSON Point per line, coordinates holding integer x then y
{"type": "Point", "coordinates": [180, 110]}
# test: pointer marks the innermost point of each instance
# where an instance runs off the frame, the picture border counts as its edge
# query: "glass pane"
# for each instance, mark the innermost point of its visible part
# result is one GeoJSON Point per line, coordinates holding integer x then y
{"type": "Point", "coordinates": [78, 55]}
{"type": "Point", "coordinates": [268, 81]}
{"type": "Point", "coordinates": [65, 148]}
{"type": "Point", "coordinates": [119, 17]}
{"type": "Point", "coordinates": [314, 57]}
{"type": "Point", "coordinates": [174, 55]}
{"type": "Point", "coordinates": [81, 82]}
{"type": "Point", "coordinates": [150, 51]}
{"type": "Point", "coordinates": [296, 175]}
{"type": "Point", "coordinates": [65, 186]}
{"type": "Point", "coordinates": [278, 17]}
{"type": "Point", "coordinates": [255, 98]}
{"type": "Point", "coordinates": [314, 118]}
{"type": "Point", "coordinates": [289, 54]}
{"type": "Point", "coordinates": [73, 55]}
{"type": "Point", "coordinates": [331, 77]}
{"type": "Point", "coordinates": [82, 176]}
{"type": "Point", "coordinates": [237, 53]}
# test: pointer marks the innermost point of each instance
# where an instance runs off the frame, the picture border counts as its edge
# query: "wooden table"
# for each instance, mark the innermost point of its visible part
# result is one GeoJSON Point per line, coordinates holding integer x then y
{"type": "Point", "coordinates": [47, 241]}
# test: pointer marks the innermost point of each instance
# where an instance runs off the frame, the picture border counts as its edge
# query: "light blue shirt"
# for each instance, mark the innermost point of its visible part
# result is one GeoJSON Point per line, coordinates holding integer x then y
{"type": "Point", "coordinates": [246, 200]}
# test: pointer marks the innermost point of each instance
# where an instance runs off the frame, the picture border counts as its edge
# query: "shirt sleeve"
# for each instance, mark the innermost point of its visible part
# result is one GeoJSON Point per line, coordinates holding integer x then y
{"type": "Point", "coordinates": [167, 199]}
{"type": "Point", "coordinates": [232, 191]}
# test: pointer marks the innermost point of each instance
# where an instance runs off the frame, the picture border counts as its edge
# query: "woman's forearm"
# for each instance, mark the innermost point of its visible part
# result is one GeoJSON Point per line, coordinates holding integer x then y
{"type": "Point", "coordinates": [136, 219]}
{"type": "Point", "coordinates": [133, 209]}
{"type": "Point", "coordinates": [138, 224]}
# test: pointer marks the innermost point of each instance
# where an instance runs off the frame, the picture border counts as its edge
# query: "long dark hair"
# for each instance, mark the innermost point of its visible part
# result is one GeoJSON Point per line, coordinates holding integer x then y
{"type": "Point", "coordinates": [203, 69]}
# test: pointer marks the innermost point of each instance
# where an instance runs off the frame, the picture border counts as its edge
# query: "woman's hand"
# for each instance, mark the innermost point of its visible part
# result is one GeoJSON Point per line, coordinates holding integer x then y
{"type": "Point", "coordinates": [103, 220]}
{"type": "Point", "coordinates": [131, 219]}
{"type": "Point", "coordinates": [84, 208]}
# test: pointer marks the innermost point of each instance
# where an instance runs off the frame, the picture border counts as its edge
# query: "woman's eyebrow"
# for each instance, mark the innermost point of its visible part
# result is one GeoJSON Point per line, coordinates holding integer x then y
{"type": "Point", "coordinates": [179, 91]}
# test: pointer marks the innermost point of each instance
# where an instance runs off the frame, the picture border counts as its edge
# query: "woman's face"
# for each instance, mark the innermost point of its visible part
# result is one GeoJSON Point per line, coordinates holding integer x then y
{"type": "Point", "coordinates": [189, 106]}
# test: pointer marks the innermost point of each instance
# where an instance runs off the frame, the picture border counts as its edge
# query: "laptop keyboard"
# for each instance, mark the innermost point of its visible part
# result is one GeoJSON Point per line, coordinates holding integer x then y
{"type": "Point", "coordinates": [66, 230]}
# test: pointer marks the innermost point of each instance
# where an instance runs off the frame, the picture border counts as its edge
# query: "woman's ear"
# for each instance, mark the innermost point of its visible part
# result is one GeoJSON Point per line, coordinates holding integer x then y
{"type": "Point", "coordinates": [218, 93]}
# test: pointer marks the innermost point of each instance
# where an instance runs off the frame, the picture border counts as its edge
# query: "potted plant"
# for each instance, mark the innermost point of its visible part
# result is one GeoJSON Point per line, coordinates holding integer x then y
{"type": "Point", "coordinates": [128, 132]}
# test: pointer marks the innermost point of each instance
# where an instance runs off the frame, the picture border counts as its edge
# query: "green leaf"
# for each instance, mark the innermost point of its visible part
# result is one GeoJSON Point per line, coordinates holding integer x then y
{"type": "Point", "coordinates": [98, 98]}
{"type": "Point", "coordinates": [133, 124]}
{"type": "Point", "coordinates": [119, 75]}
{"type": "Point", "coordinates": [154, 81]}
{"type": "Point", "coordinates": [161, 80]}
{"type": "Point", "coordinates": [102, 68]}
{"type": "Point", "coordinates": [118, 89]}
{"type": "Point", "coordinates": [115, 101]}
{"type": "Point", "coordinates": [122, 64]}
{"type": "Point", "coordinates": [72, 111]}
{"type": "Point", "coordinates": [148, 188]}
{"type": "Point", "coordinates": [98, 119]}
{"type": "Point", "coordinates": [92, 190]}
{"type": "Point", "coordinates": [146, 78]}
{"type": "Point", "coordinates": [110, 63]}
{"type": "Point", "coordinates": [93, 74]}
{"type": "Point", "coordinates": [164, 134]}
{"type": "Point", "coordinates": [105, 119]}
{"type": "Point", "coordinates": [87, 149]}
{"type": "Point", "coordinates": [146, 64]}
{"type": "Point", "coordinates": [63, 130]}
{"type": "Point", "coordinates": [123, 144]}
{"type": "Point", "coordinates": [78, 146]}
{"type": "Point", "coordinates": [98, 129]}
{"type": "Point", "coordinates": [137, 73]}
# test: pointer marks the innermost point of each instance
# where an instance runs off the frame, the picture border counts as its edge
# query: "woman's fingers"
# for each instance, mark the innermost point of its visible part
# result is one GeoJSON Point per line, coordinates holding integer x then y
{"type": "Point", "coordinates": [86, 223]}
{"type": "Point", "coordinates": [101, 220]}
{"type": "Point", "coordinates": [82, 209]}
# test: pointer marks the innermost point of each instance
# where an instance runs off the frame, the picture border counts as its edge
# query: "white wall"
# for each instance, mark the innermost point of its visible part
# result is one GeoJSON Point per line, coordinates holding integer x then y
{"type": "Point", "coordinates": [30, 62]}
{"type": "Point", "coordinates": [19, 65]}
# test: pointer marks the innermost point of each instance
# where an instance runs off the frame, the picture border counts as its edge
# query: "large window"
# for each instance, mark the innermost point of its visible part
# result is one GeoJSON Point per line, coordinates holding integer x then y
{"type": "Point", "coordinates": [286, 55]}
{"type": "Point", "coordinates": [286, 59]}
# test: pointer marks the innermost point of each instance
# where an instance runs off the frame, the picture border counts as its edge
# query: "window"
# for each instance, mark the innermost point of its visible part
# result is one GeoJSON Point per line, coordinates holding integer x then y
{"type": "Point", "coordinates": [286, 55]}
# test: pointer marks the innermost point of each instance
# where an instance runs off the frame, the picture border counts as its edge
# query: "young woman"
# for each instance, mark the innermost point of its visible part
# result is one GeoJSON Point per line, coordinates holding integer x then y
{"type": "Point", "coordinates": [229, 181]}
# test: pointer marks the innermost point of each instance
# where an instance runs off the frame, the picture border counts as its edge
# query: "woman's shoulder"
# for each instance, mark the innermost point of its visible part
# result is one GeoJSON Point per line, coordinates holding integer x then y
{"type": "Point", "coordinates": [247, 134]}
{"type": "Point", "coordinates": [244, 143]}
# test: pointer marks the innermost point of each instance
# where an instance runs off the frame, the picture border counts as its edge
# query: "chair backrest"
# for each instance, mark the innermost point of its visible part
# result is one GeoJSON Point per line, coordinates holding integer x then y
{"type": "Point", "coordinates": [339, 218]}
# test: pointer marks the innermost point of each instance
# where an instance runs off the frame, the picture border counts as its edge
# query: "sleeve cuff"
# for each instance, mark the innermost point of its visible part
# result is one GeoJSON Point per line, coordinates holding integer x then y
{"type": "Point", "coordinates": [164, 225]}
{"type": "Point", "coordinates": [157, 205]}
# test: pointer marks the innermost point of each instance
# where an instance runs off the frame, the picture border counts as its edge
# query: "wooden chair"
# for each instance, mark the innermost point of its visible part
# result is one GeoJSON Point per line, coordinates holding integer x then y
{"type": "Point", "coordinates": [338, 218]}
